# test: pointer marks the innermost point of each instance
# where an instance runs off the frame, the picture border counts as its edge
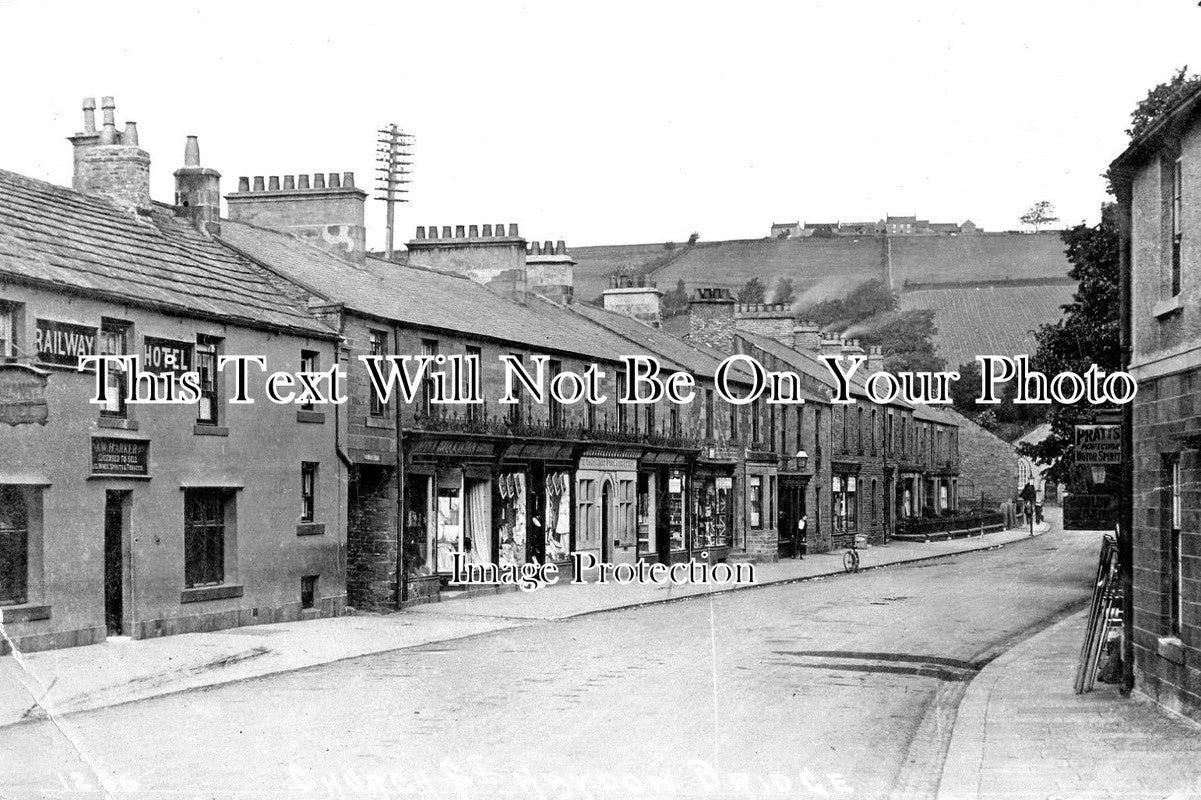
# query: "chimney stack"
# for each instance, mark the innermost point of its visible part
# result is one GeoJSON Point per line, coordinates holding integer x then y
{"type": "Point", "coordinates": [108, 164]}
{"type": "Point", "coordinates": [875, 359]}
{"type": "Point", "coordinates": [198, 190]}
{"type": "Point", "coordinates": [807, 337]}
{"type": "Point", "coordinates": [831, 344]}
{"type": "Point", "coordinates": [711, 318]}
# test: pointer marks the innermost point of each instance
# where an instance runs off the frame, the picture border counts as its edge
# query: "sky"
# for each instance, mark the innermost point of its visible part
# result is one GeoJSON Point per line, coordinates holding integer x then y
{"type": "Point", "coordinates": [615, 122]}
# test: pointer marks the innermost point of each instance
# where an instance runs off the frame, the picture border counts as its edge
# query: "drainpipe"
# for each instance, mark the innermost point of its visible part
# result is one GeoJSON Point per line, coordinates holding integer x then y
{"type": "Point", "coordinates": [402, 580]}
{"type": "Point", "coordinates": [1126, 510]}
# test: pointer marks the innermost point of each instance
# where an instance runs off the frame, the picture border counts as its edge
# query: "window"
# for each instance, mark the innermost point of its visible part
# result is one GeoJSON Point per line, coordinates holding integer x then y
{"type": "Point", "coordinates": [204, 537]}
{"type": "Point", "coordinates": [1177, 226]}
{"type": "Point", "coordinates": [674, 419]}
{"type": "Point", "coordinates": [308, 490]}
{"type": "Point", "coordinates": [622, 408]}
{"type": "Point", "coordinates": [875, 514]}
{"type": "Point", "coordinates": [843, 417]}
{"type": "Point", "coordinates": [14, 545]}
{"type": "Point", "coordinates": [471, 371]}
{"type": "Point", "coordinates": [308, 363]}
{"type": "Point", "coordinates": [308, 591]}
{"type": "Point", "coordinates": [708, 413]}
{"type": "Point", "coordinates": [625, 511]}
{"type": "Point", "coordinates": [755, 433]}
{"type": "Point", "coordinates": [206, 364]}
{"type": "Point", "coordinates": [554, 407]}
{"type": "Point", "coordinates": [516, 412]}
{"type": "Point", "coordinates": [817, 440]}
{"type": "Point", "coordinates": [1175, 570]}
{"type": "Point", "coordinates": [114, 341]}
{"type": "Point", "coordinates": [800, 428]}
{"type": "Point", "coordinates": [844, 503]}
{"type": "Point", "coordinates": [756, 490]}
{"type": "Point", "coordinates": [873, 431]}
{"type": "Point", "coordinates": [733, 421]}
{"type": "Point", "coordinates": [8, 330]}
{"type": "Point", "coordinates": [375, 343]}
{"type": "Point", "coordinates": [429, 347]}
{"type": "Point", "coordinates": [586, 500]}
{"type": "Point", "coordinates": [650, 418]}
{"type": "Point", "coordinates": [859, 429]}
{"type": "Point", "coordinates": [771, 501]}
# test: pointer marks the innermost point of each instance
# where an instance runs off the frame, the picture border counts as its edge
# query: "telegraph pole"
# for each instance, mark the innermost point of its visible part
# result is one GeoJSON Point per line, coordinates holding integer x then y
{"type": "Point", "coordinates": [392, 153]}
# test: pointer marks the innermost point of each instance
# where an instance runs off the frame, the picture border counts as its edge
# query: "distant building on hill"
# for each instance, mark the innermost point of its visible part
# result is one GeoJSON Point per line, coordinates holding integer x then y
{"type": "Point", "coordinates": [890, 226]}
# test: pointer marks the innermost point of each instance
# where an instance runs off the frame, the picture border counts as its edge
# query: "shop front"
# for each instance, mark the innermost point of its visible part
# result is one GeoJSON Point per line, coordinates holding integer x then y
{"type": "Point", "coordinates": [712, 509]}
{"type": "Point", "coordinates": [665, 477]}
{"type": "Point", "coordinates": [612, 502]}
{"type": "Point", "coordinates": [793, 539]}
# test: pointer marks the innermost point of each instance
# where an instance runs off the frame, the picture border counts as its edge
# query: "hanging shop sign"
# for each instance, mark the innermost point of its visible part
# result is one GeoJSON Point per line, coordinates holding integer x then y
{"type": "Point", "coordinates": [113, 456]}
{"type": "Point", "coordinates": [1098, 445]}
{"type": "Point", "coordinates": [167, 355]}
{"type": "Point", "coordinates": [62, 343]}
{"type": "Point", "coordinates": [23, 395]}
{"type": "Point", "coordinates": [1090, 512]}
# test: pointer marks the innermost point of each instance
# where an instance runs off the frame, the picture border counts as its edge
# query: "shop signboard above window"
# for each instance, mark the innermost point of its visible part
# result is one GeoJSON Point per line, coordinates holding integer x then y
{"type": "Point", "coordinates": [167, 355]}
{"type": "Point", "coordinates": [63, 343]}
{"type": "Point", "coordinates": [127, 457]}
{"type": "Point", "coordinates": [23, 395]}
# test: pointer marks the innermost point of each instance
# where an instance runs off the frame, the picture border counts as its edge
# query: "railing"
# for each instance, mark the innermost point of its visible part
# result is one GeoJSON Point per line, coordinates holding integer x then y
{"type": "Point", "coordinates": [949, 527]}
{"type": "Point", "coordinates": [505, 427]}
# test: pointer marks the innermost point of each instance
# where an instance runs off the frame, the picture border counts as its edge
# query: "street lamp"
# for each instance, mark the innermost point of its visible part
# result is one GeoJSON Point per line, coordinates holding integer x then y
{"type": "Point", "coordinates": [802, 460]}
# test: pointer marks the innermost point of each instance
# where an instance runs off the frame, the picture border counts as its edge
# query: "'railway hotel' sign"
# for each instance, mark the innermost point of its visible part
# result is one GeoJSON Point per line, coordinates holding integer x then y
{"type": "Point", "coordinates": [62, 343]}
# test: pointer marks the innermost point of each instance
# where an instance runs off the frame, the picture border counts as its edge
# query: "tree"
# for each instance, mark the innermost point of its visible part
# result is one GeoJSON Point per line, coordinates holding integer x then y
{"type": "Point", "coordinates": [785, 292]}
{"type": "Point", "coordinates": [694, 238]}
{"type": "Point", "coordinates": [1040, 214]}
{"type": "Point", "coordinates": [1160, 99]}
{"type": "Point", "coordinates": [1087, 334]}
{"type": "Point", "coordinates": [675, 301]}
{"type": "Point", "coordinates": [753, 291]}
{"type": "Point", "coordinates": [869, 299]}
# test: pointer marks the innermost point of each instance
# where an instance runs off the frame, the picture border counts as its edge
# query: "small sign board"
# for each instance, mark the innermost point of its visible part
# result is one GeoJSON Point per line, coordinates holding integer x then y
{"type": "Point", "coordinates": [1098, 445]}
{"type": "Point", "coordinates": [725, 483]}
{"type": "Point", "coordinates": [1090, 512]}
{"type": "Point", "coordinates": [113, 456]}
{"type": "Point", "coordinates": [23, 395]}
{"type": "Point", "coordinates": [63, 343]}
{"type": "Point", "coordinates": [165, 356]}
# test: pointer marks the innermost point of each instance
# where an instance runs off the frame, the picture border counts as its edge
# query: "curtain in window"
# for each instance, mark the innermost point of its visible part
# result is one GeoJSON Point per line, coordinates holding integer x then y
{"type": "Point", "coordinates": [478, 532]}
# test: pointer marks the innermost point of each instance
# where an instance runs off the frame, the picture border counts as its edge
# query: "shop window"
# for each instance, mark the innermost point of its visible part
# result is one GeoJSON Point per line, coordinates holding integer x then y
{"type": "Point", "coordinates": [756, 498]}
{"type": "Point", "coordinates": [844, 503]}
{"type": "Point", "coordinates": [429, 347]}
{"type": "Point", "coordinates": [209, 408]}
{"type": "Point", "coordinates": [1174, 516]}
{"type": "Point", "coordinates": [417, 514]}
{"type": "Point", "coordinates": [558, 516]}
{"type": "Point", "coordinates": [676, 489]}
{"type": "Point", "coordinates": [513, 525]}
{"type": "Point", "coordinates": [308, 591]}
{"type": "Point", "coordinates": [714, 514]}
{"type": "Point", "coordinates": [14, 545]}
{"type": "Point", "coordinates": [645, 546]}
{"type": "Point", "coordinates": [114, 341]}
{"type": "Point", "coordinates": [308, 491]}
{"type": "Point", "coordinates": [204, 536]}
{"type": "Point", "coordinates": [309, 362]}
{"type": "Point", "coordinates": [376, 346]}
{"type": "Point", "coordinates": [9, 327]}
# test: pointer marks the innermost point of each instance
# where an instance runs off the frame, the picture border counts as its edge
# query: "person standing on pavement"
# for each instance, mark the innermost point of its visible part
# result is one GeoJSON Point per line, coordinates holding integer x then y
{"type": "Point", "coordinates": [1029, 495]}
{"type": "Point", "coordinates": [802, 536]}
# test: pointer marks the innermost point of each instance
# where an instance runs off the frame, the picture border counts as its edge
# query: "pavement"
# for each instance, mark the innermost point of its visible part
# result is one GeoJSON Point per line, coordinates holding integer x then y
{"type": "Point", "coordinates": [1022, 732]}
{"type": "Point", "coordinates": [51, 683]}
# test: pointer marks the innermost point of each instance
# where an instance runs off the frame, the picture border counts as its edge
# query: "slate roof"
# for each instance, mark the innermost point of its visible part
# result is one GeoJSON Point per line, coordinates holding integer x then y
{"type": "Point", "coordinates": [809, 364]}
{"type": "Point", "coordinates": [425, 297]}
{"type": "Point", "coordinates": [696, 359]}
{"type": "Point", "coordinates": [59, 238]}
{"type": "Point", "coordinates": [987, 320]}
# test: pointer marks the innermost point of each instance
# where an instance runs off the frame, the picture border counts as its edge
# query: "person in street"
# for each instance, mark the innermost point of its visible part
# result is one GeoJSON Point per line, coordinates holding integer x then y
{"type": "Point", "coordinates": [1029, 495]}
{"type": "Point", "coordinates": [802, 536]}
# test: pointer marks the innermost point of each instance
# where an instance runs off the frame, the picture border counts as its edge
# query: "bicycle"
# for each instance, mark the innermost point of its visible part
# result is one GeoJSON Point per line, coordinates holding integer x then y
{"type": "Point", "coordinates": [850, 559]}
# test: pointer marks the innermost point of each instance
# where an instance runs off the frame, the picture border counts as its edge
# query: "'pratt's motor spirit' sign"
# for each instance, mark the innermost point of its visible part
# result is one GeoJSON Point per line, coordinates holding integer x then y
{"type": "Point", "coordinates": [63, 343]}
{"type": "Point", "coordinates": [112, 456]}
{"type": "Point", "coordinates": [1098, 445]}
{"type": "Point", "coordinates": [167, 356]}
{"type": "Point", "coordinates": [22, 395]}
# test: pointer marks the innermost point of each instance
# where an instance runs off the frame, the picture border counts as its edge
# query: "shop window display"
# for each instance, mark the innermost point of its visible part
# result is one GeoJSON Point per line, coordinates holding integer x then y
{"type": "Point", "coordinates": [675, 509]}
{"type": "Point", "coordinates": [714, 514]}
{"type": "Point", "coordinates": [558, 516]}
{"type": "Point", "coordinates": [512, 523]}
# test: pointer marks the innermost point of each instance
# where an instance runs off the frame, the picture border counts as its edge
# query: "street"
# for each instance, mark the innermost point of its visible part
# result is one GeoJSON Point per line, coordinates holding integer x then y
{"type": "Point", "coordinates": [836, 687]}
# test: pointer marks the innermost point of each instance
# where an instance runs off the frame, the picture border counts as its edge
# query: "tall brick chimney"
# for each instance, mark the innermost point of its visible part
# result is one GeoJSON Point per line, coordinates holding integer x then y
{"type": "Point", "coordinates": [198, 191]}
{"type": "Point", "coordinates": [635, 296]}
{"type": "Point", "coordinates": [711, 319]}
{"type": "Point", "coordinates": [108, 163]}
{"type": "Point", "coordinates": [328, 216]}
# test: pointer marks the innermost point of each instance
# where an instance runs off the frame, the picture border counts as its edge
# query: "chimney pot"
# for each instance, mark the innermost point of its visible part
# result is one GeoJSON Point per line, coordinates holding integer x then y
{"type": "Point", "coordinates": [191, 152]}
{"type": "Point", "coordinates": [289, 183]}
{"type": "Point", "coordinates": [500, 230]}
{"type": "Point", "coordinates": [560, 248]}
{"type": "Point", "coordinates": [487, 231]}
{"type": "Point", "coordinates": [318, 180]}
{"type": "Point", "coordinates": [335, 180]}
{"type": "Point", "coordinates": [273, 183]}
{"type": "Point", "coordinates": [547, 248]}
{"type": "Point", "coordinates": [258, 183]}
{"type": "Point", "coordinates": [459, 234]}
{"type": "Point", "coordinates": [243, 184]}
{"type": "Point", "coordinates": [473, 232]}
{"type": "Point", "coordinates": [513, 229]}
{"type": "Point", "coordinates": [302, 181]}
{"type": "Point", "coordinates": [130, 137]}
{"type": "Point", "coordinates": [347, 180]}
{"type": "Point", "coordinates": [89, 115]}
{"type": "Point", "coordinates": [420, 232]}
{"type": "Point", "coordinates": [446, 232]}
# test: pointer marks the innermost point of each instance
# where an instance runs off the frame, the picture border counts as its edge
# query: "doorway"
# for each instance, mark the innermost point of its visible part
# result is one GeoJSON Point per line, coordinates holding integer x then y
{"type": "Point", "coordinates": [116, 514]}
{"type": "Point", "coordinates": [606, 491]}
{"type": "Point", "coordinates": [792, 508]}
